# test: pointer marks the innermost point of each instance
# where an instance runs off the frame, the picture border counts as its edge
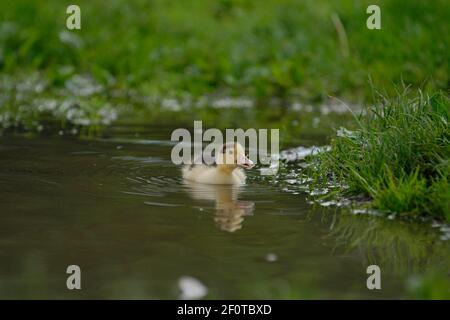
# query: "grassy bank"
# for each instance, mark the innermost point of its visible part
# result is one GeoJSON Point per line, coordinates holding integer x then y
{"type": "Point", "coordinates": [398, 155]}
{"type": "Point", "coordinates": [146, 53]}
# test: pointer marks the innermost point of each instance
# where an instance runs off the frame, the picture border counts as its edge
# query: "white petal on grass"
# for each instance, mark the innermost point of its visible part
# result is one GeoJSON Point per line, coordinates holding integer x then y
{"type": "Point", "coordinates": [271, 257]}
{"type": "Point", "coordinates": [191, 288]}
{"type": "Point", "coordinates": [70, 39]}
{"type": "Point", "coordinates": [300, 153]}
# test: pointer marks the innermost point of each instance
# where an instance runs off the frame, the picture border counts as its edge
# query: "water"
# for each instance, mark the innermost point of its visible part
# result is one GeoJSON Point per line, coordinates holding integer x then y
{"type": "Point", "coordinates": [118, 208]}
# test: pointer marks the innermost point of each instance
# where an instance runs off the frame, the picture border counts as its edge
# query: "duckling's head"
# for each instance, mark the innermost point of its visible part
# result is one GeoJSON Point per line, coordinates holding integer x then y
{"type": "Point", "coordinates": [231, 156]}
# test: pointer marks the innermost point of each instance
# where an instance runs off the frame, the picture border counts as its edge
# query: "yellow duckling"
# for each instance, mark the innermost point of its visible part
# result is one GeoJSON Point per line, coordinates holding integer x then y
{"type": "Point", "coordinates": [226, 168]}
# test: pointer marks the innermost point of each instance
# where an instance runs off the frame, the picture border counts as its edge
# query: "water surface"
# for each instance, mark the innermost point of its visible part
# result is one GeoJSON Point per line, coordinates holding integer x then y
{"type": "Point", "coordinates": [117, 207]}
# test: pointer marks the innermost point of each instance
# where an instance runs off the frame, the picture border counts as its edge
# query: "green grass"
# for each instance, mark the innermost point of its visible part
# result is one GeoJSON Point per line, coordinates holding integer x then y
{"type": "Point", "coordinates": [398, 155]}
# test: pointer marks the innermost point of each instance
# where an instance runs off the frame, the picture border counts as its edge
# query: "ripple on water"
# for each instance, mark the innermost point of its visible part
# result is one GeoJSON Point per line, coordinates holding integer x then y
{"type": "Point", "coordinates": [141, 160]}
{"type": "Point", "coordinates": [132, 141]}
{"type": "Point", "coordinates": [161, 204]}
{"type": "Point", "coordinates": [154, 186]}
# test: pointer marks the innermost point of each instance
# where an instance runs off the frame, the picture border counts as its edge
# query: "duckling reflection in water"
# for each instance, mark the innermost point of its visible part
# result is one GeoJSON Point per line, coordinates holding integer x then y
{"type": "Point", "coordinates": [225, 168]}
{"type": "Point", "coordinates": [219, 181]}
{"type": "Point", "coordinates": [230, 211]}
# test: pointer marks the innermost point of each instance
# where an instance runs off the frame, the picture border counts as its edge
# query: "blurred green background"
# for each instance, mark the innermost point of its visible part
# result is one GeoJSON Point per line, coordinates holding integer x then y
{"type": "Point", "coordinates": [142, 52]}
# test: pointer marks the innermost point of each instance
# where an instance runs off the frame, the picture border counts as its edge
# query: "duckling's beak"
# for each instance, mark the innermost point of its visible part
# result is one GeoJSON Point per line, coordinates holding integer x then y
{"type": "Point", "coordinates": [245, 162]}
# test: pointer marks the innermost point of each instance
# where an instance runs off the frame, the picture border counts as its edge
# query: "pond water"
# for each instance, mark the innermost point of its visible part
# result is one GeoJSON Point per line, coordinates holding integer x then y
{"type": "Point", "coordinates": [117, 207]}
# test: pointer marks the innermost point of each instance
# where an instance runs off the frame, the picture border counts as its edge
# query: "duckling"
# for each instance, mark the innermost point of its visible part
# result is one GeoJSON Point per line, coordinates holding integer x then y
{"type": "Point", "coordinates": [226, 168]}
